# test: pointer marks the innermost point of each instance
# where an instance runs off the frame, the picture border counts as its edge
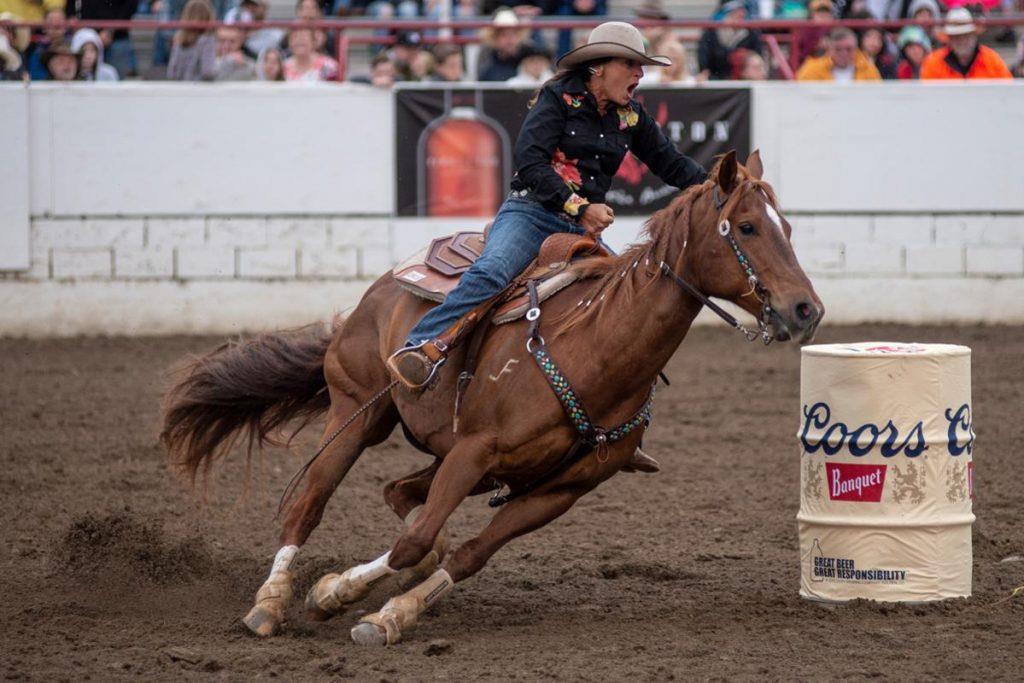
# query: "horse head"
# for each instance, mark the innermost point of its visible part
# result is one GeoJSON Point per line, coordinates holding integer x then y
{"type": "Point", "coordinates": [737, 248]}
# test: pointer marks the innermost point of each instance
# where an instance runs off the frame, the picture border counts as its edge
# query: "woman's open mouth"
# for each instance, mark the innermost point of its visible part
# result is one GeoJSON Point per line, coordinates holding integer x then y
{"type": "Point", "coordinates": [631, 89]}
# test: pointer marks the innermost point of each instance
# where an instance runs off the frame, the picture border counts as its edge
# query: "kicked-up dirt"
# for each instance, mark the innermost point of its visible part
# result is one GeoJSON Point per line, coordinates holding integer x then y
{"type": "Point", "coordinates": [114, 569]}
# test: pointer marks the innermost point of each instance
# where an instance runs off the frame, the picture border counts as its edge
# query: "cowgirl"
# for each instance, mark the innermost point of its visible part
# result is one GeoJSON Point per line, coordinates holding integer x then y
{"type": "Point", "coordinates": [581, 125]}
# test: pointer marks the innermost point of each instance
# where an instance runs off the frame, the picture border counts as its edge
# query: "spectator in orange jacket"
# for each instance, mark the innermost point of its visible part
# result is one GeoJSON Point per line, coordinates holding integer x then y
{"type": "Point", "coordinates": [964, 57]}
{"type": "Point", "coordinates": [842, 62]}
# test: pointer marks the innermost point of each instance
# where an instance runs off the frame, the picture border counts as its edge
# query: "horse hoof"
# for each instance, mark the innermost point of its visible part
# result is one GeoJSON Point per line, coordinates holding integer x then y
{"type": "Point", "coordinates": [320, 593]}
{"type": "Point", "coordinates": [262, 622]}
{"type": "Point", "coordinates": [370, 635]}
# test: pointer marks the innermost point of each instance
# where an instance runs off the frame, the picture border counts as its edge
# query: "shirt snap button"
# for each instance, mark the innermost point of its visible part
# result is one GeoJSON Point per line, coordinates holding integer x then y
{"type": "Point", "coordinates": [601, 135]}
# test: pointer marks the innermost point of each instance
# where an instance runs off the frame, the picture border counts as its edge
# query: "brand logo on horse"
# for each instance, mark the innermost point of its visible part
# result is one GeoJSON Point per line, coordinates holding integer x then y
{"type": "Point", "coordinates": [859, 440]}
{"type": "Point", "coordinates": [856, 483]}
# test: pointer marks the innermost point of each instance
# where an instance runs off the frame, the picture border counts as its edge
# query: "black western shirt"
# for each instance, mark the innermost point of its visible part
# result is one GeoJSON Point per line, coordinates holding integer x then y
{"type": "Point", "coordinates": [567, 152]}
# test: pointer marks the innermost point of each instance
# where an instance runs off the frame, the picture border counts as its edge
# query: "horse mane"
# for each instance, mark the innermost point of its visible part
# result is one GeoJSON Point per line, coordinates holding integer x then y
{"type": "Point", "coordinates": [605, 278]}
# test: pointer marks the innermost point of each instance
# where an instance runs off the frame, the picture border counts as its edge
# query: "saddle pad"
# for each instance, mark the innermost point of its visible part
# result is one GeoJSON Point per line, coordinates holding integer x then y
{"type": "Point", "coordinates": [516, 308]}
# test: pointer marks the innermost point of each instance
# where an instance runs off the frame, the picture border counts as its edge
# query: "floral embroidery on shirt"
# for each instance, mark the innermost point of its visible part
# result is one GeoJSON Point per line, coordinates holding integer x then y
{"type": "Point", "coordinates": [572, 101]}
{"type": "Point", "coordinates": [627, 118]}
{"type": "Point", "coordinates": [567, 170]}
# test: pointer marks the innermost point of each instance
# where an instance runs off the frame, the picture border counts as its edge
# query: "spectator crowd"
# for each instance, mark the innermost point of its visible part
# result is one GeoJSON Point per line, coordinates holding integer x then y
{"type": "Point", "coordinates": [510, 48]}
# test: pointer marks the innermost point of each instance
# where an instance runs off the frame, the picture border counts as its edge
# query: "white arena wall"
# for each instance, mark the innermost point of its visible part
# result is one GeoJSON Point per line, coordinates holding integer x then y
{"type": "Point", "coordinates": [149, 208]}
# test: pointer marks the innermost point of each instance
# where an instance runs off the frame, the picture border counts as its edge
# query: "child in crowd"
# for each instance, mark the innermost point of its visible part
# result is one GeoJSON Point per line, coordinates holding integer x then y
{"type": "Point", "coordinates": [61, 63]}
{"type": "Point", "coordinates": [270, 65]}
{"type": "Point", "coordinates": [448, 66]}
{"type": "Point", "coordinates": [748, 66]}
{"type": "Point", "coordinates": [88, 45]}
{"type": "Point", "coordinates": [914, 47]}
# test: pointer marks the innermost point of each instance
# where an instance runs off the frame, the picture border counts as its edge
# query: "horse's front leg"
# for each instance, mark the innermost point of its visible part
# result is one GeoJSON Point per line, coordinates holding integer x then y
{"type": "Point", "coordinates": [520, 516]}
{"type": "Point", "coordinates": [333, 593]}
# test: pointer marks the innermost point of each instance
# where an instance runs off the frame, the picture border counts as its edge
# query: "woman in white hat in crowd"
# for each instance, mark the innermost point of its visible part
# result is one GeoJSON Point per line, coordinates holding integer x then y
{"type": "Point", "coordinates": [581, 124]}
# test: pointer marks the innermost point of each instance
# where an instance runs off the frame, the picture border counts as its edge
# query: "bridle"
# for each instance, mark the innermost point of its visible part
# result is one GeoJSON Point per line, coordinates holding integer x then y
{"type": "Point", "coordinates": [756, 288]}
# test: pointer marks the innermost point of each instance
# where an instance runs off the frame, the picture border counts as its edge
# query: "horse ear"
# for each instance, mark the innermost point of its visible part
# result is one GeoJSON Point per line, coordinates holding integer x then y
{"type": "Point", "coordinates": [726, 176]}
{"type": "Point", "coordinates": [754, 165]}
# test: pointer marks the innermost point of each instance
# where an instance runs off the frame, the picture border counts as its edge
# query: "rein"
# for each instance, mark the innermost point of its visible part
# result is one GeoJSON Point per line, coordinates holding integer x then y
{"type": "Point", "coordinates": [589, 436]}
{"type": "Point", "coordinates": [756, 288]}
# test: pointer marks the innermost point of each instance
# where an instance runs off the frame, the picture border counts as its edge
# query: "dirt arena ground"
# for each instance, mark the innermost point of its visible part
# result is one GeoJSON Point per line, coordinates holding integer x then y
{"type": "Point", "coordinates": [112, 569]}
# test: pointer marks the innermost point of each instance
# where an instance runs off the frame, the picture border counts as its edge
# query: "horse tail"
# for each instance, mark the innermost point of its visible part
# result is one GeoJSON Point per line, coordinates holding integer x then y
{"type": "Point", "coordinates": [247, 388]}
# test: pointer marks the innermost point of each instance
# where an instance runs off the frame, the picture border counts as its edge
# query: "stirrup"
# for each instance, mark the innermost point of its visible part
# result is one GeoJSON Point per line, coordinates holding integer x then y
{"type": "Point", "coordinates": [392, 364]}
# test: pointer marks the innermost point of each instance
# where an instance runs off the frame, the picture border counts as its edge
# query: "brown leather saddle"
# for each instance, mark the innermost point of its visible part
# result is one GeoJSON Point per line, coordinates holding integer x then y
{"type": "Point", "coordinates": [434, 271]}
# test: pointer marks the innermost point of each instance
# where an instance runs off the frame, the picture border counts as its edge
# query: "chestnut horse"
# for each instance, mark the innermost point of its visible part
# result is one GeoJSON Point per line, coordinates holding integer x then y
{"type": "Point", "coordinates": [611, 333]}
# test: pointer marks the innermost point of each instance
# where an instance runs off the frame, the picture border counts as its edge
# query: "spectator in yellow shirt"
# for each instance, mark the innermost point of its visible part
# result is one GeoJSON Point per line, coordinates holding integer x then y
{"type": "Point", "coordinates": [30, 10]}
{"type": "Point", "coordinates": [843, 62]}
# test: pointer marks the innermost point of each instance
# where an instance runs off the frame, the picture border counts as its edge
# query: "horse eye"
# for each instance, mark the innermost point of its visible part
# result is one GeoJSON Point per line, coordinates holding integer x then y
{"type": "Point", "coordinates": [746, 228]}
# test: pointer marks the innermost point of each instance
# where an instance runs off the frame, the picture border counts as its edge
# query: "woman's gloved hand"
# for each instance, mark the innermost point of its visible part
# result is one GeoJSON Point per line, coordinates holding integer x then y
{"type": "Point", "coordinates": [596, 217]}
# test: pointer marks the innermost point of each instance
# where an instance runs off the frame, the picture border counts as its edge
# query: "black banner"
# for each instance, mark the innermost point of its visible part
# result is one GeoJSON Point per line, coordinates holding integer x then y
{"type": "Point", "coordinates": [454, 146]}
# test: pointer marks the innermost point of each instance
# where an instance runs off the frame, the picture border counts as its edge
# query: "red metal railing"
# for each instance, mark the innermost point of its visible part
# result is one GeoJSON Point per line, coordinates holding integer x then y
{"type": "Point", "coordinates": [774, 31]}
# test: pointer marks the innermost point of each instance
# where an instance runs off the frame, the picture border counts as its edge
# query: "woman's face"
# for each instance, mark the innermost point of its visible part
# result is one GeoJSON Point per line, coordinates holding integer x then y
{"type": "Point", "coordinates": [89, 53]}
{"type": "Point", "coordinates": [754, 69]}
{"type": "Point", "coordinates": [618, 79]}
{"type": "Point", "coordinates": [307, 10]}
{"type": "Point", "coordinates": [914, 52]}
{"type": "Point", "coordinates": [871, 43]}
{"type": "Point", "coordinates": [272, 65]}
{"type": "Point", "coordinates": [301, 43]}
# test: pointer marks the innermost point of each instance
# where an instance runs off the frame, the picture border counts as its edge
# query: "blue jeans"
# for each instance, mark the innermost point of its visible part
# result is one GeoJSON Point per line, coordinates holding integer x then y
{"type": "Point", "coordinates": [519, 229]}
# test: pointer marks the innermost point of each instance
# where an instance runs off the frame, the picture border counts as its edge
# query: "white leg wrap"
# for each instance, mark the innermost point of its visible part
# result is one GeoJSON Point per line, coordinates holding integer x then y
{"type": "Point", "coordinates": [283, 559]}
{"type": "Point", "coordinates": [272, 598]}
{"type": "Point", "coordinates": [371, 571]}
{"type": "Point", "coordinates": [333, 592]}
{"type": "Point", "coordinates": [399, 614]}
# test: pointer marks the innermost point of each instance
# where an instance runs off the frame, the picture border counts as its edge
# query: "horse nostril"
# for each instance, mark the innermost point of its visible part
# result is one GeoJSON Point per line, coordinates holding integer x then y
{"type": "Point", "coordinates": [804, 311]}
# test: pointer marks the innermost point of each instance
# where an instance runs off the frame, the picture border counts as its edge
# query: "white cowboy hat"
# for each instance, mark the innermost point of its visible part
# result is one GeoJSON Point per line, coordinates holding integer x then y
{"type": "Point", "coordinates": [959, 22]}
{"type": "Point", "coordinates": [503, 18]}
{"type": "Point", "coordinates": [613, 39]}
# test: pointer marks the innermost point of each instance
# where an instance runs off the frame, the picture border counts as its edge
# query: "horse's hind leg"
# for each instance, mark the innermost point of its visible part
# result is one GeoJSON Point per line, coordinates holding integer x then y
{"type": "Point", "coordinates": [323, 477]}
{"type": "Point", "coordinates": [520, 516]}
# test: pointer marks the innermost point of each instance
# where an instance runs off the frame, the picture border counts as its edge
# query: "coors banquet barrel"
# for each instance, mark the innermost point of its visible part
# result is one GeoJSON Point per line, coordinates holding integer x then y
{"type": "Point", "coordinates": [886, 472]}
